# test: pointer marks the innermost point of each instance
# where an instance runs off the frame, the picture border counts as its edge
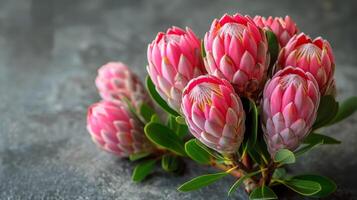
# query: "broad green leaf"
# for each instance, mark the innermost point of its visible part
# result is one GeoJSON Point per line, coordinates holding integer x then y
{"type": "Point", "coordinates": [303, 187]}
{"type": "Point", "coordinates": [209, 151]}
{"type": "Point", "coordinates": [347, 108]}
{"type": "Point", "coordinates": [284, 156]}
{"type": "Point", "coordinates": [164, 137]}
{"type": "Point", "coordinates": [262, 193]}
{"type": "Point", "coordinates": [273, 46]}
{"type": "Point", "coordinates": [305, 149]}
{"type": "Point", "coordinates": [203, 51]}
{"type": "Point", "coordinates": [279, 173]}
{"type": "Point", "coordinates": [138, 156]}
{"type": "Point", "coordinates": [240, 181]}
{"type": "Point", "coordinates": [196, 153]}
{"type": "Point", "coordinates": [326, 112]}
{"type": "Point", "coordinates": [142, 170]}
{"type": "Point", "coordinates": [170, 163]}
{"type": "Point", "coordinates": [181, 130]}
{"type": "Point", "coordinates": [161, 102]}
{"type": "Point", "coordinates": [201, 181]}
{"type": "Point", "coordinates": [327, 185]}
{"type": "Point", "coordinates": [314, 138]}
{"type": "Point", "coordinates": [146, 112]}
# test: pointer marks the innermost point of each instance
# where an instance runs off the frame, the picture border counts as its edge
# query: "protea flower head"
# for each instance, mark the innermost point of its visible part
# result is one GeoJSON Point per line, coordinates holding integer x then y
{"type": "Point", "coordinates": [283, 28]}
{"type": "Point", "coordinates": [115, 81]}
{"type": "Point", "coordinates": [214, 113]}
{"type": "Point", "coordinates": [290, 102]}
{"type": "Point", "coordinates": [174, 59]}
{"type": "Point", "coordinates": [113, 128]}
{"type": "Point", "coordinates": [314, 56]}
{"type": "Point", "coordinates": [237, 50]}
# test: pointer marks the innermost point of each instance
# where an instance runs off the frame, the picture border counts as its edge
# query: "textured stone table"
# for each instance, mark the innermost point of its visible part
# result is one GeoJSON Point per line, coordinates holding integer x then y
{"type": "Point", "coordinates": [49, 54]}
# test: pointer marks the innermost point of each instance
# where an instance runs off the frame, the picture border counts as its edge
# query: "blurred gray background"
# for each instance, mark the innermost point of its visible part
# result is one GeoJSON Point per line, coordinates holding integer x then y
{"type": "Point", "coordinates": [50, 51]}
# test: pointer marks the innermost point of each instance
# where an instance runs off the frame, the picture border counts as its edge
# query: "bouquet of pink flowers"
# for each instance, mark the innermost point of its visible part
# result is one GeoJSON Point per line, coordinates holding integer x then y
{"type": "Point", "coordinates": [254, 94]}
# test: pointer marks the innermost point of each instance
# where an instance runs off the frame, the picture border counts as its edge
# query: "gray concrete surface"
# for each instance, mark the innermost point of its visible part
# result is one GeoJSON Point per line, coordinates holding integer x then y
{"type": "Point", "coordinates": [50, 51]}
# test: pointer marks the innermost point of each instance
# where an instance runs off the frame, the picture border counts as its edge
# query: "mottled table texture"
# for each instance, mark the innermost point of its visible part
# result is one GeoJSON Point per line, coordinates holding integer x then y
{"type": "Point", "coordinates": [49, 54]}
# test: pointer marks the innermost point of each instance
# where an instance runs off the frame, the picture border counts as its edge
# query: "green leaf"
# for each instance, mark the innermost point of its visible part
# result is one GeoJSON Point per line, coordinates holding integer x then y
{"type": "Point", "coordinates": [201, 181]}
{"type": "Point", "coordinates": [279, 173]}
{"type": "Point", "coordinates": [254, 124]}
{"type": "Point", "coordinates": [170, 163]}
{"type": "Point", "coordinates": [155, 118]}
{"type": "Point", "coordinates": [171, 122]}
{"type": "Point", "coordinates": [314, 138]}
{"type": "Point", "coordinates": [146, 112]}
{"type": "Point", "coordinates": [262, 150]}
{"type": "Point", "coordinates": [161, 102]}
{"type": "Point", "coordinates": [213, 153]}
{"type": "Point", "coordinates": [303, 187]}
{"type": "Point", "coordinates": [251, 124]}
{"type": "Point", "coordinates": [273, 46]}
{"type": "Point", "coordinates": [180, 129]}
{"type": "Point", "coordinates": [305, 149]}
{"type": "Point", "coordinates": [203, 51]}
{"type": "Point", "coordinates": [196, 153]}
{"type": "Point", "coordinates": [240, 181]}
{"type": "Point", "coordinates": [138, 156]}
{"type": "Point", "coordinates": [347, 108]}
{"type": "Point", "coordinates": [326, 112]}
{"type": "Point", "coordinates": [327, 185]}
{"type": "Point", "coordinates": [255, 156]}
{"type": "Point", "coordinates": [142, 170]}
{"type": "Point", "coordinates": [262, 193]}
{"type": "Point", "coordinates": [180, 120]}
{"type": "Point", "coordinates": [164, 137]}
{"type": "Point", "coordinates": [284, 156]}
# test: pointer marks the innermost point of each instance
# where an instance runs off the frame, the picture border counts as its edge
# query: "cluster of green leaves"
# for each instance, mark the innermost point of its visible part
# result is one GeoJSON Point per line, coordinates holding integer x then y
{"type": "Point", "coordinates": [168, 138]}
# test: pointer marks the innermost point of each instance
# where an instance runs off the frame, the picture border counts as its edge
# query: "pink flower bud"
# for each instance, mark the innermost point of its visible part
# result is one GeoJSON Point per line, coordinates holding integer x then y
{"type": "Point", "coordinates": [237, 50]}
{"type": "Point", "coordinates": [174, 59]}
{"type": "Point", "coordinates": [116, 81]}
{"type": "Point", "coordinates": [283, 28]}
{"type": "Point", "coordinates": [290, 102]}
{"type": "Point", "coordinates": [113, 128]}
{"type": "Point", "coordinates": [214, 113]}
{"type": "Point", "coordinates": [314, 56]}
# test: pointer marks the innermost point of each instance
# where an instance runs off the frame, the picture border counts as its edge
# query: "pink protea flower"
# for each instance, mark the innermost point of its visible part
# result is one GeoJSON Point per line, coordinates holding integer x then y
{"type": "Point", "coordinates": [214, 113]}
{"type": "Point", "coordinates": [237, 50]}
{"type": "Point", "coordinates": [116, 81]}
{"type": "Point", "coordinates": [314, 56]}
{"type": "Point", "coordinates": [290, 102]}
{"type": "Point", "coordinates": [174, 59]}
{"type": "Point", "coordinates": [283, 28]}
{"type": "Point", "coordinates": [114, 129]}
